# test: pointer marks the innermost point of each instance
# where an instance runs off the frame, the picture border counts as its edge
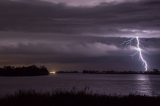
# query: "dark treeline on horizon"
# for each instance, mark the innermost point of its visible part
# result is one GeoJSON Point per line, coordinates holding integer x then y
{"type": "Point", "coordinates": [32, 70]}
{"type": "Point", "coordinates": [154, 71]}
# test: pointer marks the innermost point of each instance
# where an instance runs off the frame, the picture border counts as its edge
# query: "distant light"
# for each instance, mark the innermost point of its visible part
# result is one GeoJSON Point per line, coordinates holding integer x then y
{"type": "Point", "coordinates": [53, 72]}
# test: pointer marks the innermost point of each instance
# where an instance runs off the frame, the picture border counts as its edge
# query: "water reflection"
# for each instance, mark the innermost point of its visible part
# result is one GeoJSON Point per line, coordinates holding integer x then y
{"type": "Point", "coordinates": [144, 85]}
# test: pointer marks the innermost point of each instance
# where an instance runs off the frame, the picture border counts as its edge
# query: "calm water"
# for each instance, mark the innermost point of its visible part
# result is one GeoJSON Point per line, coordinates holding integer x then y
{"type": "Point", "coordinates": [101, 84]}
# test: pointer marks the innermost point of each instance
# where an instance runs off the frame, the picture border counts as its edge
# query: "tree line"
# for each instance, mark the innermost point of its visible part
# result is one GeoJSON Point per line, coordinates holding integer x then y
{"type": "Point", "coordinates": [32, 70]}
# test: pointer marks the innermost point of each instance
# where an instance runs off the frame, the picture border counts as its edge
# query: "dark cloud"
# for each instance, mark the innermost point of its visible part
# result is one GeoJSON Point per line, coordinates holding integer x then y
{"type": "Point", "coordinates": [47, 31]}
{"type": "Point", "coordinates": [62, 19]}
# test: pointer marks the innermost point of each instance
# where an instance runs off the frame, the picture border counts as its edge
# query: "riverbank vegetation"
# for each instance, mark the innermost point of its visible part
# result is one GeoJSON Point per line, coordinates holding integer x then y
{"type": "Point", "coordinates": [79, 98]}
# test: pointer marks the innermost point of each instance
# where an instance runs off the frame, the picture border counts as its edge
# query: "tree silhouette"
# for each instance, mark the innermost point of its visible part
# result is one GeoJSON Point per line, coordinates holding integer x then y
{"type": "Point", "coordinates": [32, 70]}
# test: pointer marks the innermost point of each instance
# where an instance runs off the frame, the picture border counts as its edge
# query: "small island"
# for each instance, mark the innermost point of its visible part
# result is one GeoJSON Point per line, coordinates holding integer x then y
{"type": "Point", "coordinates": [32, 70]}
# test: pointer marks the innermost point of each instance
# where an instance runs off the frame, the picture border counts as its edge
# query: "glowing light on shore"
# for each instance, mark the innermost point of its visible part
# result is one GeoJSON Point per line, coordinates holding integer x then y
{"type": "Point", "coordinates": [53, 72]}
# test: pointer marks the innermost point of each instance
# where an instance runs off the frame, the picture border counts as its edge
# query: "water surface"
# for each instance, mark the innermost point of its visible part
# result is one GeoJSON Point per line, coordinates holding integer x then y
{"type": "Point", "coordinates": [97, 83]}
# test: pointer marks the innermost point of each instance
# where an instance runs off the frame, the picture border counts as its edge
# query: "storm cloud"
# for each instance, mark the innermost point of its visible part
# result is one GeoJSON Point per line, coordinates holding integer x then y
{"type": "Point", "coordinates": [77, 31]}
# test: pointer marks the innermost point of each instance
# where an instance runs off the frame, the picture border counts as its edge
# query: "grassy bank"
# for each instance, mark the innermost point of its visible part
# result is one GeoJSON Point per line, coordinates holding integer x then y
{"type": "Point", "coordinates": [81, 98]}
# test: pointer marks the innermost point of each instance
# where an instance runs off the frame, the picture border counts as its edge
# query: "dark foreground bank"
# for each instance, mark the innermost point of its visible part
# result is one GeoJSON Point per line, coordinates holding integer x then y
{"type": "Point", "coordinates": [76, 99]}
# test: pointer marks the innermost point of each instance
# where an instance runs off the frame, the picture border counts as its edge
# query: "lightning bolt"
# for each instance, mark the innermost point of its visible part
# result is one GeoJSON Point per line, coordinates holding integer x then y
{"type": "Point", "coordinates": [140, 54]}
{"type": "Point", "coordinates": [139, 50]}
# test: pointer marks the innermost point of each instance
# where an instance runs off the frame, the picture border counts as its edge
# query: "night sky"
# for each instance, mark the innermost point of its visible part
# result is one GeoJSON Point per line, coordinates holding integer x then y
{"type": "Point", "coordinates": [79, 34]}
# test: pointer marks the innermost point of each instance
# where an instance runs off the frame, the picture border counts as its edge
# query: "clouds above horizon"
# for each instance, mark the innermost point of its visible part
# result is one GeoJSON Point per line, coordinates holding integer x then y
{"type": "Point", "coordinates": [101, 20]}
{"type": "Point", "coordinates": [53, 30]}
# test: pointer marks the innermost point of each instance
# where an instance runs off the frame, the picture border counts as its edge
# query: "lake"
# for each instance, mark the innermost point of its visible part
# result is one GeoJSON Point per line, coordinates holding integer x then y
{"type": "Point", "coordinates": [97, 83]}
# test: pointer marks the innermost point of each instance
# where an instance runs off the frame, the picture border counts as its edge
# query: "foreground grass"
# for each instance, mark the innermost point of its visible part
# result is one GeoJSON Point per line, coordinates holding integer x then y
{"type": "Point", "coordinates": [81, 98]}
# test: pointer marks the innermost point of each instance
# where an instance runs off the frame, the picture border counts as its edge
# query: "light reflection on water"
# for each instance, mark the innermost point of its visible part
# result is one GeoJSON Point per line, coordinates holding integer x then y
{"type": "Point", "coordinates": [144, 87]}
{"type": "Point", "coordinates": [101, 84]}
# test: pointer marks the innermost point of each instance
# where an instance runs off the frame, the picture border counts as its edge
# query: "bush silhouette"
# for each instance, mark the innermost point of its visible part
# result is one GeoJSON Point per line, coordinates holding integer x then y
{"type": "Point", "coordinates": [32, 70]}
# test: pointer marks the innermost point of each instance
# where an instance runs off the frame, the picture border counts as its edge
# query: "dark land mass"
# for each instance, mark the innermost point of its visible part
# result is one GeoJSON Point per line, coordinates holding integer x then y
{"type": "Point", "coordinates": [80, 98]}
{"type": "Point", "coordinates": [33, 70]}
{"type": "Point", "coordinates": [68, 72]}
{"type": "Point", "coordinates": [154, 72]}
{"type": "Point", "coordinates": [23, 71]}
